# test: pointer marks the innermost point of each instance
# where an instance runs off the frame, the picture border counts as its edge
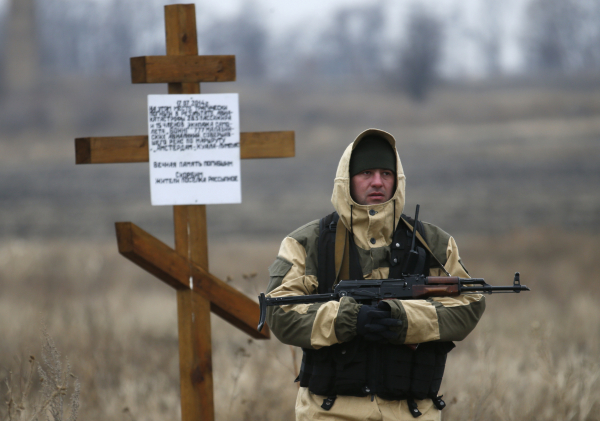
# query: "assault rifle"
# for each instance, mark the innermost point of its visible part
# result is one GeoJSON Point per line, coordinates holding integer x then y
{"type": "Point", "coordinates": [371, 291]}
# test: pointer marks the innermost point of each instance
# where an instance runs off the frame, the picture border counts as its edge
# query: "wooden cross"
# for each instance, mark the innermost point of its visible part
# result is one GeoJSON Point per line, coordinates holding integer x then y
{"type": "Point", "coordinates": [186, 267]}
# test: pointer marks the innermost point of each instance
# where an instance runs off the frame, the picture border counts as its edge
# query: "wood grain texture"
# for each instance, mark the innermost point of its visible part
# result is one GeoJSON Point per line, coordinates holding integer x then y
{"type": "Point", "coordinates": [193, 311]}
{"type": "Point", "coordinates": [182, 40]}
{"type": "Point", "coordinates": [116, 149]}
{"type": "Point", "coordinates": [105, 150]}
{"type": "Point", "coordinates": [83, 150]}
{"type": "Point", "coordinates": [255, 145]}
{"type": "Point", "coordinates": [152, 255]}
{"type": "Point", "coordinates": [177, 69]}
{"type": "Point", "coordinates": [180, 28]}
{"type": "Point", "coordinates": [191, 235]}
{"type": "Point", "coordinates": [171, 267]}
{"type": "Point", "coordinates": [184, 88]}
{"type": "Point", "coordinates": [229, 303]}
{"type": "Point", "coordinates": [195, 356]}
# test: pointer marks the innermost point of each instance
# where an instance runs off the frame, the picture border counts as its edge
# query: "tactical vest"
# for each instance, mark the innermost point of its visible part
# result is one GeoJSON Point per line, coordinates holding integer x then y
{"type": "Point", "coordinates": [360, 367]}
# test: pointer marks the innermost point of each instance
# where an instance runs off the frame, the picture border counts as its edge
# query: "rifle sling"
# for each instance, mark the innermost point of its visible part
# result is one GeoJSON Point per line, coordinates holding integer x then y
{"type": "Point", "coordinates": [342, 253]}
{"type": "Point", "coordinates": [424, 243]}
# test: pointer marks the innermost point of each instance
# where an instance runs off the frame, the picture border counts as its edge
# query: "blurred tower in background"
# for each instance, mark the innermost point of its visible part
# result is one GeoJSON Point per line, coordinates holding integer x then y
{"type": "Point", "coordinates": [22, 99]}
{"type": "Point", "coordinates": [20, 61]}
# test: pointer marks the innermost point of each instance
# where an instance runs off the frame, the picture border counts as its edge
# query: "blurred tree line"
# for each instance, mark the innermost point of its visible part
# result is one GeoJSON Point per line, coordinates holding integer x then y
{"type": "Point", "coordinates": [360, 43]}
{"type": "Point", "coordinates": [563, 35]}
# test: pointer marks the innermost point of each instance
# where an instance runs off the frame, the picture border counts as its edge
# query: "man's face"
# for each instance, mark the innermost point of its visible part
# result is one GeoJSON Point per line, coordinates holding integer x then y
{"type": "Point", "coordinates": [372, 187]}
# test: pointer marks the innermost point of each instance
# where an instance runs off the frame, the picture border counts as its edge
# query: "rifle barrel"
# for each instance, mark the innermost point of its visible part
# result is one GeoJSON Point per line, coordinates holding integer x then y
{"type": "Point", "coordinates": [300, 299]}
{"type": "Point", "coordinates": [488, 289]}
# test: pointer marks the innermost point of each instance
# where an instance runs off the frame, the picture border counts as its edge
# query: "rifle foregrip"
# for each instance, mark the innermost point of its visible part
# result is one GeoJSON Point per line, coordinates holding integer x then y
{"type": "Point", "coordinates": [425, 291]}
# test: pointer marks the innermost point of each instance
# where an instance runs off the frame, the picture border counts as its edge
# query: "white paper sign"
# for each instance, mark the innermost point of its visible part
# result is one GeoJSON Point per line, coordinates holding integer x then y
{"type": "Point", "coordinates": [194, 143]}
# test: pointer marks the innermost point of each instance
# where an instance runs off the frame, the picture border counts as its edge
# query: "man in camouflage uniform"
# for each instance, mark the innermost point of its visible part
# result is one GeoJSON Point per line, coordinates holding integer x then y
{"type": "Point", "coordinates": [360, 360]}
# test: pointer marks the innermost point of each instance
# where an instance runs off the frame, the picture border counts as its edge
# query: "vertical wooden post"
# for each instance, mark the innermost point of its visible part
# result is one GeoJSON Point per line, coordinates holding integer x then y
{"type": "Point", "coordinates": [182, 40]}
{"type": "Point", "coordinates": [191, 240]}
{"type": "Point", "coordinates": [193, 318]}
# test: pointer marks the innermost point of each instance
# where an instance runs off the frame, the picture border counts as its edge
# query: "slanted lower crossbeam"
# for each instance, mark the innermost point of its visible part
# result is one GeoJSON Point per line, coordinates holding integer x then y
{"type": "Point", "coordinates": [169, 266]}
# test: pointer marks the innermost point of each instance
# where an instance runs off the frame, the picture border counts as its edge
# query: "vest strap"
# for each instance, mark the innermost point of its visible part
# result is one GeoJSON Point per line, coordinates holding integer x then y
{"type": "Point", "coordinates": [424, 243]}
{"type": "Point", "coordinates": [355, 268]}
{"type": "Point", "coordinates": [413, 408]}
{"type": "Point", "coordinates": [328, 402]}
{"type": "Point", "coordinates": [342, 253]}
{"type": "Point", "coordinates": [326, 266]}
{"type": "Point", "coordinates": [438, 402]}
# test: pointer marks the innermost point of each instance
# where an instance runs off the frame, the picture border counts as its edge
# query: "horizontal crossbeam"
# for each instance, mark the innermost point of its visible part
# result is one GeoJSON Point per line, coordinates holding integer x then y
{"type": "Point", "coordinates": [182, 69]}
{"type": "Point", "coordinates": [106, 150]}
{"type": "Point", "coordinates": [169, 266]}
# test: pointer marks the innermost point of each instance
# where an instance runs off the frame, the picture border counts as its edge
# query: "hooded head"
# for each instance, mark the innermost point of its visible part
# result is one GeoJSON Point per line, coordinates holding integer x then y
{"type": "Point", "coordinates": [372, 152]}
{"type": "Point", "coordinates": [372, 171]}
{"type": "Point", "coordinates": [372, 224]}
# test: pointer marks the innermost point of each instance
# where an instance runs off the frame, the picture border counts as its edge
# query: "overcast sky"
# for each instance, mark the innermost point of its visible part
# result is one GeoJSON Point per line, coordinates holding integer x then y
{"type": "Point", "coordinates": [461, 56]}
{"type": "Point", "coordinates": [280, 15]}
{"type": "Point", "coordinates": [463, 18]}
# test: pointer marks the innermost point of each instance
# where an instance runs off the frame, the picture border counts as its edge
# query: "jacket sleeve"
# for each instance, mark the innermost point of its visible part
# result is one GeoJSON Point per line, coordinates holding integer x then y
{"type": "Point", "coordinates": [440, 318]}
{"type": "Point", "coordinates": [294, 273]}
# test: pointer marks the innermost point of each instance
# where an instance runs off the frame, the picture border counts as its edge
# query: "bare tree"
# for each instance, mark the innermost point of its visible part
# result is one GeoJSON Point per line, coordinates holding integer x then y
{"type": "Point", "coordinates": [421, 53]}
{"type": "Point", "coordinates": [352, 45]}
{"type": "Point", "coordinates": [589, 30]}
{"type": "Point", "coordinates": [550, 36]}
{"type": "Point", "coordinates": [94, 37]}
{"type": "Point", "coordinates": [563, 35]}
{"type": "Point", "coordinates": [243, 35]}
{"type": "Point", "coordinates": [488, 36]}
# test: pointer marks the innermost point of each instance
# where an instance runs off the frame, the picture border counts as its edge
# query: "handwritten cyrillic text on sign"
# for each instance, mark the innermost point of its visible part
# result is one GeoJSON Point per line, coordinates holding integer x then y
{"type": "Point", "coordinates": [194, 144]}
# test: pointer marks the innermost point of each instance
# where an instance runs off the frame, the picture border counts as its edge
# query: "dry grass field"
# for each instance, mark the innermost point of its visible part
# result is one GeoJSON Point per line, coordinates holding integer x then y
{"type": "Point", "coordinates": [512, 172]}
{"type": "Point", "coordinates": [534, 356]}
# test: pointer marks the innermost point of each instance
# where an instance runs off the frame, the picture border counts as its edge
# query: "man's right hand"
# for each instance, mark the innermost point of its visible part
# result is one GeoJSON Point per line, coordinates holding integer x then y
{"type": "Point", "coordinates": [374, 324]}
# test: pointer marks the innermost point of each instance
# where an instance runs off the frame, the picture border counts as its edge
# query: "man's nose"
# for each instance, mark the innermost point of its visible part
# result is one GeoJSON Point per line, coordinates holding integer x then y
{"type": "Point", "coordinates": [376, 181]}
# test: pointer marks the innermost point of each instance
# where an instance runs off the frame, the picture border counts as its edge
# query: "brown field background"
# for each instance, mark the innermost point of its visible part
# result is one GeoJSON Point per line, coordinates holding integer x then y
{"type": "Point", "coordinates": [511, 169]}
